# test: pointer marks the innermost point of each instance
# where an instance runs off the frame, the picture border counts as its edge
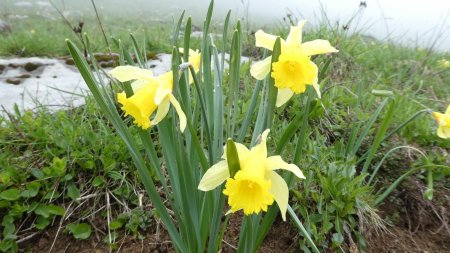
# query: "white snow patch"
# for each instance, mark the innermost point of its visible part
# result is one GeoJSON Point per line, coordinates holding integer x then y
{"type": "Point", "coordinates": [54, 84]}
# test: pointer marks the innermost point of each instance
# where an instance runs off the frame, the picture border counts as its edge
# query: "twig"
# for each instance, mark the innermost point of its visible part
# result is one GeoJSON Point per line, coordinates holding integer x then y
{"type": "Point", "coordinates": [101, 28]}
{"type": "Point", "coordinates": [229, 245]}
{"type": "Point", "coordinates": [88, 196]}
{"type": "Point", "coordinates": [27, 237]}
{"type": "Point", "coordinates": [59, 228]}
{"type": "Point", "coordinates": [78, 34]}
{"type": "Point", "coordinates": [108, 218]}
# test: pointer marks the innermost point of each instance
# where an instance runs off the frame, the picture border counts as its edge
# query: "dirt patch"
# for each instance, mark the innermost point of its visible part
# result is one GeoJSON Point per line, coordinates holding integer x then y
{"type": "Point", "coordinates": [418, 225]}
{"type": "Point", "coordinates": [153, 242]}
{"type": "Point", "coordinates": [281, 238]}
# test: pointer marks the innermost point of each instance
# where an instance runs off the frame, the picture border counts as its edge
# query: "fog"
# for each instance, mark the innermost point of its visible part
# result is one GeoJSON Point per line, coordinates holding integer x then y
{"type": "Point", "coordinates": [413, 23]}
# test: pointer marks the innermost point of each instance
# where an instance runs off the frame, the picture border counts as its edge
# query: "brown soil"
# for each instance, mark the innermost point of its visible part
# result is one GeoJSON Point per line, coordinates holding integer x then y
{"type": "Point", "coordinates": [417, 226]}
{"type": "Point", "coordinates": [280, 239]}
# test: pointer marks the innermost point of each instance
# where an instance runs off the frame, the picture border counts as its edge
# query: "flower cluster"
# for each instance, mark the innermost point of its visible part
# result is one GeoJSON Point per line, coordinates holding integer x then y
{"type": "Point", "coordinates": [255, 185]}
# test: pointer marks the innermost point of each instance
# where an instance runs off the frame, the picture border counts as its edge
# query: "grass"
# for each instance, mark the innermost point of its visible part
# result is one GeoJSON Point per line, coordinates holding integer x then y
{"type": "Point", "coordinates": [60, 164]}
{"type": "Point", "coordinates": [42, 37]}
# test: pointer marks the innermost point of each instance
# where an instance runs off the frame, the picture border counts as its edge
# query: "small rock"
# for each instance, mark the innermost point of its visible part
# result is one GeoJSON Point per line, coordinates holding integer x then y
{"type": "Point", "coordinates": [69, 61]}
{"type": "Point", "coordinates": [30, 66]}
{"type": "Point", "coordinates": [23, 76]}
{"type": "Point", "coordinates": [13, 81]}
{"type": "Point", "coordinates": [54, 76]}
{"type": "Point", "coordinates": [4, 27]}
{"type": "Point", "coordinates": [2, 67]}
{"type": "Point", "coordinates": [14, 66]}
{"type": "Point", "coordinates": [108, 64]}
{"type": "Point", "coordinates": [106, 57]}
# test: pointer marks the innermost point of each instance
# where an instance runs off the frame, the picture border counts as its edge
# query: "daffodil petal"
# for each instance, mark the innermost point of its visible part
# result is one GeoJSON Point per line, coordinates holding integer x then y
{"type": "Point", "coordinates": [161, 94]}
{"type": "Point", "coordinates": [280, 192]}
{"type": "Point", "coordinates": [318, 47]}
{"type": "Point", "coordinates": [264, 136]}
{"type": "Point", "coordinates": [163, 109]}
{"type": "Point", "coordinates": [265, 40]}
{"type": "Point", "coordinates": [283, 96]}
{"type": "Point", "coordinates": [241, 149]}
{"type": "Point", "coordinates": [180, 112]}
{"type": "Point", "coordinates": [166, 80]}
{"type": "Point", "coordinates": [448, 110]}
{"type": "Point", "coordinates": [295, 34]}
{"type": "Point", "coordinates": [276, 162]}
{"type": "Point", "coordinates": [261, 69]}
{"type": "Point", "coordinates": [138, 84]}
{"type": "Point", "coordinates": [315, 83]}
{"type": "Point", "coordinates": [214, 176]}
{"type": "Point", "coordinates": [317, 88]}
{"type": "Point", "coordinates": [443, 132]}
{"type": "Point", "coordinates": [261, 147]}
{"type": "Point", "coordinates": [127, 73]}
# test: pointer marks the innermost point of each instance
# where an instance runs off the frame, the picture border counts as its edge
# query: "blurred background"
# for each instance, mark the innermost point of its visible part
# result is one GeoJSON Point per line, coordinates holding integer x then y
{"type": "Point", "coordinates": [413, 23]}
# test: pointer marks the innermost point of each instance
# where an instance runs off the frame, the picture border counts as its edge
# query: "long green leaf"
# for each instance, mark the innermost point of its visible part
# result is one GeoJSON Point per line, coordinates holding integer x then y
{"type": "Point", "coordinates": [379, 136]}
{"type": "Point", "coordinates": [302, 229]}
{"type": "Point", "coordinates": [273, 91]}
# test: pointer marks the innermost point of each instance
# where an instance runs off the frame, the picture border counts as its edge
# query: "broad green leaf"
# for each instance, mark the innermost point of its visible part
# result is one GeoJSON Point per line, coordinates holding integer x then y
{"type": "Point", "coordinates": [115, 224]}
{"type": "Point", "coordinates": [80, 231]}
{"type": "Point", "coordinates": [32, 190]}
{"type": "Point", "coordinates": [98, 181]}
{"type": "Point", "coordinates": [73, 192]}
{"type": "Point", "coordinates": [47, 210]}
{"type": "Point", "coordinates": [56, 210]}
{"type": "Point", "coordinates": [10, 194]}
{"type": "Point", "coordinates": [41, 223]}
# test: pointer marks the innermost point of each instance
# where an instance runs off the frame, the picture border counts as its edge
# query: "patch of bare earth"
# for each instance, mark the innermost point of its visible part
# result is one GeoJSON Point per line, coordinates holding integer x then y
{"type": "Point", "coordinates": [420, 225]}
{"type": "Point", "coordinates": [417, 225]}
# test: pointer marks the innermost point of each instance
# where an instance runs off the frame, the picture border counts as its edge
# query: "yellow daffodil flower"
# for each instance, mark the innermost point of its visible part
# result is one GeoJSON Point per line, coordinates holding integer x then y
{"type": "Point", "coordinates": [150, 93]}
{"type": "Point", "coordinates": [443, 63]}
{"type": "Point", "coordinates": [294, 68]}
{"type": "Point", "coordinates": [443, 120]}
{"type": "Point", "coordinates": [256, 185]}
{"type": "Point", "coordinates": [194, 60]}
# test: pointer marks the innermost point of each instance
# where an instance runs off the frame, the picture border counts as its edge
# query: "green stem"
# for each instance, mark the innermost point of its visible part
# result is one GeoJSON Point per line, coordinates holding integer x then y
{"type": "Point", "coordinates": [203, 110]}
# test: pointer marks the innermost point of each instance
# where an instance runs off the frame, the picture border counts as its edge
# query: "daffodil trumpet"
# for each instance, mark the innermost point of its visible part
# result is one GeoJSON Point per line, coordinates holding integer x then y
{"type": "Point", "coordinates": [443, 121]}
{"type": "Point", "coordinates": [294, 68]}
{"type": "Point", "coordinates": [256, 185]}
{"type": "Point", "coordinates": [150, 94]}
